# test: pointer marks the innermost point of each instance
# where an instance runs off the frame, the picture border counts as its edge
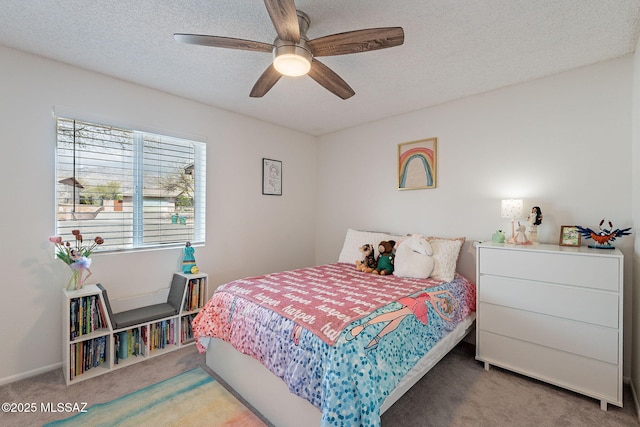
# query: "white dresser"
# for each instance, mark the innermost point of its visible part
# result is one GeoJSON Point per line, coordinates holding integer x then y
{"type": "Point", "coordinates": [553, 313]}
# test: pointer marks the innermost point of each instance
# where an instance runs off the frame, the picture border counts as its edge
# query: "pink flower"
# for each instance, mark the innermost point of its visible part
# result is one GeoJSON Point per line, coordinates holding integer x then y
{"type": "Point", "coordinates": [64, 249]}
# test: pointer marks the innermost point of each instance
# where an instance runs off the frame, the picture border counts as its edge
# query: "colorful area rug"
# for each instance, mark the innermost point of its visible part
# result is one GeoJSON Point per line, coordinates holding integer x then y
{"type": "Point", "coordinates": [189, 399]}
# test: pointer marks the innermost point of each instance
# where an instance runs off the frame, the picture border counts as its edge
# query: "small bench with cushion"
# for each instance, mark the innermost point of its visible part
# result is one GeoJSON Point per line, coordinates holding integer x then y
{"type": "Point", "coordinates": [146, 314]}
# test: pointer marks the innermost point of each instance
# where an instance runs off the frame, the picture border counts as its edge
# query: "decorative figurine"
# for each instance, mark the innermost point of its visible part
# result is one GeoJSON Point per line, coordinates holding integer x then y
{"type": "Point", "coordinates": [80, 265]}
{"type": "Point", "coordinates": [189, 261]}
{"type": "Point", "coordinates": [604, 237]}
{"type": "Point", "coordinates": [498, 237]}
{"type": "Point", "coordinates": [535, 219]}
{"type": "Point", "coordinates": [521, 236]}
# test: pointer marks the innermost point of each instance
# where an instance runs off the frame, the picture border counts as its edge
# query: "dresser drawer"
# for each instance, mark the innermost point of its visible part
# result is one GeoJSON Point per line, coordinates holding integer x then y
{"type": "Point", "coordinates": [568, 302]}
{"type": "Point", "coordinates": [581, 374]}
{"type": "Point", "coordinates": [566, 335]}
{"type": "Point", "coordinates": [578, 269]}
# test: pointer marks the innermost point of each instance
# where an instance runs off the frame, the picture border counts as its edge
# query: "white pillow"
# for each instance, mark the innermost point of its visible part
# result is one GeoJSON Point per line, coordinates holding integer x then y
{"type": "Point", "coordinates": [445, 255]}
{"type": "Point", "coordinates": [354, 239]}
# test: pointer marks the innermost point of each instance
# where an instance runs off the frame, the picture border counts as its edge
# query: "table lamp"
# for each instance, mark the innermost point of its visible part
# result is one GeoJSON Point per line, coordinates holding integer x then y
{"type": "Point", "coordinates": [512, 208]}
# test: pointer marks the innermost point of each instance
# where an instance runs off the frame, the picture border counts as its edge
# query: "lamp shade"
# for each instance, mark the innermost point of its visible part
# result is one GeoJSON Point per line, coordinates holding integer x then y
{"type": "Point", "coordinates": [512, 208]}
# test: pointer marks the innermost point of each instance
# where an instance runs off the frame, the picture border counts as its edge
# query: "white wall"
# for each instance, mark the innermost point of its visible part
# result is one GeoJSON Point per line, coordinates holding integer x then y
{"type": "Point", "coordinates": [635, 324]}
{"type": "Point", "coordinates": [247, 233]}
{"type": "Point", "coordinates": [562, 143]}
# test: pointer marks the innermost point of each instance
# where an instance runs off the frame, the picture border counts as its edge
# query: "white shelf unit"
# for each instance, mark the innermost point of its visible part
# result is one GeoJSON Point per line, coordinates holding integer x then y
{"type": "Point", "coordinates": [92, 347]}
{"type": "Point", "coordinates": [553, 313]}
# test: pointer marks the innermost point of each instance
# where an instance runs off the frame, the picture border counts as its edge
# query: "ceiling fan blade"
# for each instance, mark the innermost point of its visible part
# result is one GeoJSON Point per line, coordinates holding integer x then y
{"type": "Point", "coordinates": [266, 81]}
{"type": "Point", "coordinates": [225, 42]}
{"type": "Point", "coordinates": [330, 80]}
{"type": "Point", "coordinates": [357, 41]}
{"type": "Point", "coordinates": [285, 19]}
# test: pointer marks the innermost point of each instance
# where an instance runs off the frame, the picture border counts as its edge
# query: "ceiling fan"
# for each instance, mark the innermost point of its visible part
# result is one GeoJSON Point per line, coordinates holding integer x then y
{"type": "Point", "coordinates": [295, 55]}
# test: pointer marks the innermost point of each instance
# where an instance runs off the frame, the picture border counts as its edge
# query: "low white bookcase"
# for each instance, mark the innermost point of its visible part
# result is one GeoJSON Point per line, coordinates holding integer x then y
{"type": "Point", "coordinates": [94, 344]}
{"type": "Point", "coordinates": [553, 313]}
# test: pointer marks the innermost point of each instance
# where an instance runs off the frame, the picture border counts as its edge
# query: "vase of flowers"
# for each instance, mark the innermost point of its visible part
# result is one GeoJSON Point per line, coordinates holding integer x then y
{"type": "Point", "coordinates": [76, 256]}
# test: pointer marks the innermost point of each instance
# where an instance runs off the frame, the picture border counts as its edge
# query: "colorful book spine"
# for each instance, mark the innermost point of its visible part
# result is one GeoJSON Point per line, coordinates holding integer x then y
{"type": "Point", "coordinates": [86, 315]}
{"type": "Point", "coordinates": [194, 295]}
{"type": "Point", "coordinates": [73, 313]}
{"type": "Point", "coordinates": [85, 355]}
{"type": "Point", "coordinates": [123, 350]}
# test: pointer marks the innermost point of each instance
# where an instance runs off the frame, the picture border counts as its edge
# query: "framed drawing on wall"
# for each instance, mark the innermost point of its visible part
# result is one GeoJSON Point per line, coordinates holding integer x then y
{"type": "Point", "coordinates": [417, 164]}
{"type": "Point", "coordinates": [569, 235]}
{"type": "Point", "coordinates": [271, 177]}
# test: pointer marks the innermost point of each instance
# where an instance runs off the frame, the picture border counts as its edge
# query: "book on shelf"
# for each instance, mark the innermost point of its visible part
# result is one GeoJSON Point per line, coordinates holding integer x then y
{"type": "Point", "coordinates": [201, 295]}
{"type": "Point", "coordinates": [123, 348]}
{"type": "Point", "coordinates": [195, 294]}
{"type": "Point", "coordinates": [162, 334]}
{"type": "Point", "coordinates": [85, 316]}
{"type": "Point", "coordinates": [87, 354]}
{"type": "Point", "coordinates": [131, 342]}
{"type": "Point", "coordinates": [73, 312]}
{"type": "Point", "coordinates": [186, 329]}
{"type": "Point", "coordinates": [143, 336]}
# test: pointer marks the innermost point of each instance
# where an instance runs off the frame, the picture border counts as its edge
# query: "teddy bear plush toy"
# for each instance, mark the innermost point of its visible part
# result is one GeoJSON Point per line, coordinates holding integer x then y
{"type": "Point", "coordinates": [385, 259]}
{"type": "Point", "coordinates": [368, 263]}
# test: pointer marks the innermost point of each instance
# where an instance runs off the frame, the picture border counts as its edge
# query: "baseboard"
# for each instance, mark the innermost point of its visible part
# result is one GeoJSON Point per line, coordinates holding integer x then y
{"type": "Point", "coordinates": [31, 373]}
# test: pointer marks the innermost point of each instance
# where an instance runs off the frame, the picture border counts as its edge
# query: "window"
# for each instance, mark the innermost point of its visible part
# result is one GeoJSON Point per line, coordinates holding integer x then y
{"type": "Point", "coordinates": [134, 189]}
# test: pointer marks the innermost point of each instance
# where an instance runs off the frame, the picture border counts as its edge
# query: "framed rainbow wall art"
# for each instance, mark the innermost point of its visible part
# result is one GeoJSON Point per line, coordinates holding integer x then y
{"type": "Point", "coordinates": [417, 164]}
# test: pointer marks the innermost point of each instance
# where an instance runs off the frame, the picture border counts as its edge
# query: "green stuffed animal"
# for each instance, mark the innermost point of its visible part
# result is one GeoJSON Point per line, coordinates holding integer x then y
{"type": "Point", "coordinates": [385, 259]}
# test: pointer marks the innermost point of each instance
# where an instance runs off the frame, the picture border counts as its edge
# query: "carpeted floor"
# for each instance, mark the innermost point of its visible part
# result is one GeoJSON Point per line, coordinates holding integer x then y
{"type": "Point", "coordinates": [457, 392]}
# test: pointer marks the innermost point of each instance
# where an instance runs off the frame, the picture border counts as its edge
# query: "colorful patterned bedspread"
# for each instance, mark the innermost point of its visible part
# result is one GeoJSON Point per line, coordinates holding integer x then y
{"type": "Point", "coordinates": [348, 372]}
{"type": "Point", "coordinates": [326, 298]}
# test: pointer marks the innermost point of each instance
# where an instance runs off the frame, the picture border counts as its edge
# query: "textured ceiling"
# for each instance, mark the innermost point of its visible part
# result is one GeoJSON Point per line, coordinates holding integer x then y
{"type": "Point", "coordinates": [452, 49]}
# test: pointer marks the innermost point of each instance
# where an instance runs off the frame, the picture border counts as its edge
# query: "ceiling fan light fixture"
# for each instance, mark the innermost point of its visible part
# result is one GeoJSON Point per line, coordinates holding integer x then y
{"type": "Point", "coordinates": [291, 60]}
{"type": "Point", "coordinates": [293, 53]}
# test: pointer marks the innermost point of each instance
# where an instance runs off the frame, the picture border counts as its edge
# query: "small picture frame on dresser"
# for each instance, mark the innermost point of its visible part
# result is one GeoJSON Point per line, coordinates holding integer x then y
{"type": "Point", "coordinates": [569, 235]}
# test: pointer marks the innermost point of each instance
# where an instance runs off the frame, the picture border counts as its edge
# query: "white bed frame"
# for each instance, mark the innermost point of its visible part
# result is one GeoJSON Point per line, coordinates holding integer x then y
{"type": "Point", "coordinates": [270, 396]}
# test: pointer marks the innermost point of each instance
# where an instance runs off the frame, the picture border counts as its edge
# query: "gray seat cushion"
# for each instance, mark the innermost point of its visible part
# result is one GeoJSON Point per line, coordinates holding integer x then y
{"type": "Point", "coordinates": [105, 297]}
{"type": "Point", "coordinates": [136, 316]}
{"type": "Point", "coordinates": [176, 292]}
{"type": "Point", "coordinates": [150, 313]}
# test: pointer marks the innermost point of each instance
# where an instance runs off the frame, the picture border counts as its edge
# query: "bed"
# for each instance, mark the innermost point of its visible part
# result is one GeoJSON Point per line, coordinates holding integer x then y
{"type": "Point", "coordinates": [332, 346]}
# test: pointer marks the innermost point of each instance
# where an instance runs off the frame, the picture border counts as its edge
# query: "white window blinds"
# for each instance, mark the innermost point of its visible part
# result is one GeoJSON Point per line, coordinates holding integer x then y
{"type": "Point", "coordinates": [134, 189]}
